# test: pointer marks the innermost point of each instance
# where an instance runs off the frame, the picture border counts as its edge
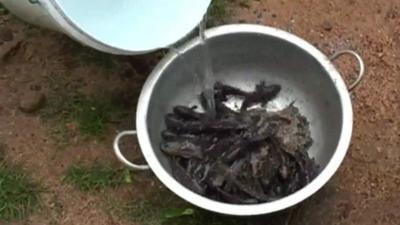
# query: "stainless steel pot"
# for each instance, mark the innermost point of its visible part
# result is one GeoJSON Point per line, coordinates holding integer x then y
{"type": "Point", "coordinates": [243, 55]}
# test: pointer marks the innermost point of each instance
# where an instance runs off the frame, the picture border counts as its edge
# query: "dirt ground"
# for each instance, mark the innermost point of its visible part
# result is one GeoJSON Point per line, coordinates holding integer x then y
{"type": "Point", "coordinates": [364, 191]}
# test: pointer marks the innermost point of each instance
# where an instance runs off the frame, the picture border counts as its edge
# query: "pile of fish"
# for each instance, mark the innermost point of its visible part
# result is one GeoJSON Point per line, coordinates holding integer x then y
{"type": "Point", "coordinates": [242, 156]}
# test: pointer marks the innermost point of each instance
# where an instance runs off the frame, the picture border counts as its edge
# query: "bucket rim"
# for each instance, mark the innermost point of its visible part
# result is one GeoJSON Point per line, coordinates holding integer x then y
{"type": "Point", "coordinates": [77, 32]}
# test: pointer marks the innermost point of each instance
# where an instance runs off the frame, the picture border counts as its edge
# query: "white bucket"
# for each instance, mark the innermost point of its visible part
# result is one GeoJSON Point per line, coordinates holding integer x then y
{"type": "Point", "coordinates": [125, 27]}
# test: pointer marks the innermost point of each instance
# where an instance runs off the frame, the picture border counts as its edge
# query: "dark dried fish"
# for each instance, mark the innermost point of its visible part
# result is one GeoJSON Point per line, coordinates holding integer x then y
{"type": "Point", "coordinates": [243, 157]}
{"type": "Point", "coordinates": [262, 95]}
{"type": "Point", "coordinates": [188, 113]}
{"type": "Point", "coordinates": [185, 178]}
{"type": "Point", "coordinates": [185, 149]}
{"type": "Point", "coordinates": [222, 91]}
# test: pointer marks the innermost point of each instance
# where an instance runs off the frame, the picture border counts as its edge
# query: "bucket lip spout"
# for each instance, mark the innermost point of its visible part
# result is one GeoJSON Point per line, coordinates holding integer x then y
{"type": "Point", "coordinates": [78, 32]}
{"type": "Point", "coordinates": [255, 209]}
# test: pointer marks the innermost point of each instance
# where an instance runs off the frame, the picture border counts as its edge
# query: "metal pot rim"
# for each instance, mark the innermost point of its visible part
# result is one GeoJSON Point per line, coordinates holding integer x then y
{"type": "Point", "coordinates": [262, 208]}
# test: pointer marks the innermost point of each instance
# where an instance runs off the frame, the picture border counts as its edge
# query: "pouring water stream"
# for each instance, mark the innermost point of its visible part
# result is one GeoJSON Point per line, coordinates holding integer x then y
{"type": "Point", "coordinates": [206, 76]}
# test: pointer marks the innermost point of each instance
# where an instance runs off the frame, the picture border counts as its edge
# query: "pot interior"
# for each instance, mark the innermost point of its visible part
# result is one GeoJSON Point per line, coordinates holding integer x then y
{"type": "Point", "coordinates": [242, 60]}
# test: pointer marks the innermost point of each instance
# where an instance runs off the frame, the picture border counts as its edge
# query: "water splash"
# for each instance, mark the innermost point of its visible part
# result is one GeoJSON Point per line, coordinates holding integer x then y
{"type": "Point", "coordinates": [207, 76]}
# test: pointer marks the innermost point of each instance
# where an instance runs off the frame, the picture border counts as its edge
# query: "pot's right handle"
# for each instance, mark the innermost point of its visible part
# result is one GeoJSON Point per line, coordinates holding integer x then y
{"type": "Point", "coordinates": [119, 154]}
{"type": "Point", "coordinates": [361, 67]}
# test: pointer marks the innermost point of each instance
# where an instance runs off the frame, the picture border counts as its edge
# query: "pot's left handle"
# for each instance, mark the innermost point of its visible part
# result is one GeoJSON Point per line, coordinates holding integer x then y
{"type": "Point", "coordinates": [119, 154]}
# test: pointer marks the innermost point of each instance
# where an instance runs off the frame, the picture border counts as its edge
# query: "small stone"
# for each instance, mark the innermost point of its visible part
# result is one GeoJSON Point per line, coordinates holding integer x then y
{"type": "Point", "coordinates": [32, 101]}
{"type": "Point", "coordinates": [327, 25]}
{"type": "Point", "coordinates": [6, 34]}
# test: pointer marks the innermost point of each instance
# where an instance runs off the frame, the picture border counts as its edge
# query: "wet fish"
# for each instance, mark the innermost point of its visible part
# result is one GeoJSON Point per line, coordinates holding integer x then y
{"type": "Point", "coordinates": [245, 156]}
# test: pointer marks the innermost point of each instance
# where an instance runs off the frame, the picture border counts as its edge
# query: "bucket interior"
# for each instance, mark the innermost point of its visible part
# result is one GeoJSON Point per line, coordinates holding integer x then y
{"type": "Point", "coordinates": [134, 25]}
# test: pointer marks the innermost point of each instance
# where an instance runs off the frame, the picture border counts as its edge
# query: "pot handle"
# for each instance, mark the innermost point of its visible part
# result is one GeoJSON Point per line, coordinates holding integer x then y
{"type": "Point", "coordinates": [361, 67]}
{"type": "Point", "coordinates": [121, 157]}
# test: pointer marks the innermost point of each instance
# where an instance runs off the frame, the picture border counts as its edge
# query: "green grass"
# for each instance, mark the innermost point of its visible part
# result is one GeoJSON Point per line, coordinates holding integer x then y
{"type": "Point", "coordinates": [19, 195]}
{"type": "Point", "coordinates": [70, 114]}
{"type": "Point", "coordinates": [164, 208]}
{"type": "Point", "coordinates": [218, 12]}
{"type": "Point", "coordinates": [92, 114]}
{"type": "Point", "coordinates": [57, 114]}
{"type": "Point", "coordinates": [96, 177]}
{"type": "Point", "coordinates": [86, 55]}
{"type": "Point", "coordinates": [60, 134]}
{"type": "Point", "coordinates": [103, 60]}
{"type": "Point", "coordinates": [201, 217]}
{"type": "Point", "coordinates": [3, 10]}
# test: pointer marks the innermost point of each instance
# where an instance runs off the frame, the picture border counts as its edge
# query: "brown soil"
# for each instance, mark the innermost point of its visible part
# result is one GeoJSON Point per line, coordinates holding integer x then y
{"type": "Point", "coordinates": [364, 191]}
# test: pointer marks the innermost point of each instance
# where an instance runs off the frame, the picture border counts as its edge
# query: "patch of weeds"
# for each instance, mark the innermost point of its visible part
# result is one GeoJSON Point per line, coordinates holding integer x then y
{"type": "Point", "coordinates": [62, 98]}
{"type": "Point", "coordinates": [92, 114]}
{"type": "Point", "coordinates": [96, 177]}
{"type": "Point", "coordinates": [164, 208]}
{"type": "Point", "coordinates": [145, 212]}
{"type": "Point", "coordinates": [3, 10]}
{"type": "Point", "coordinates": [218, 12]}
{"type": "Point", "coordinates": [103, 60]}
{"type": "Point", "coordinates": [59, 133]}
{"type": "Point", "coordinates": [200, 217]}
{"type": "Point", "coordinates": [19, 195]}
{"type": "Point", "coordinates": [57, 114]}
